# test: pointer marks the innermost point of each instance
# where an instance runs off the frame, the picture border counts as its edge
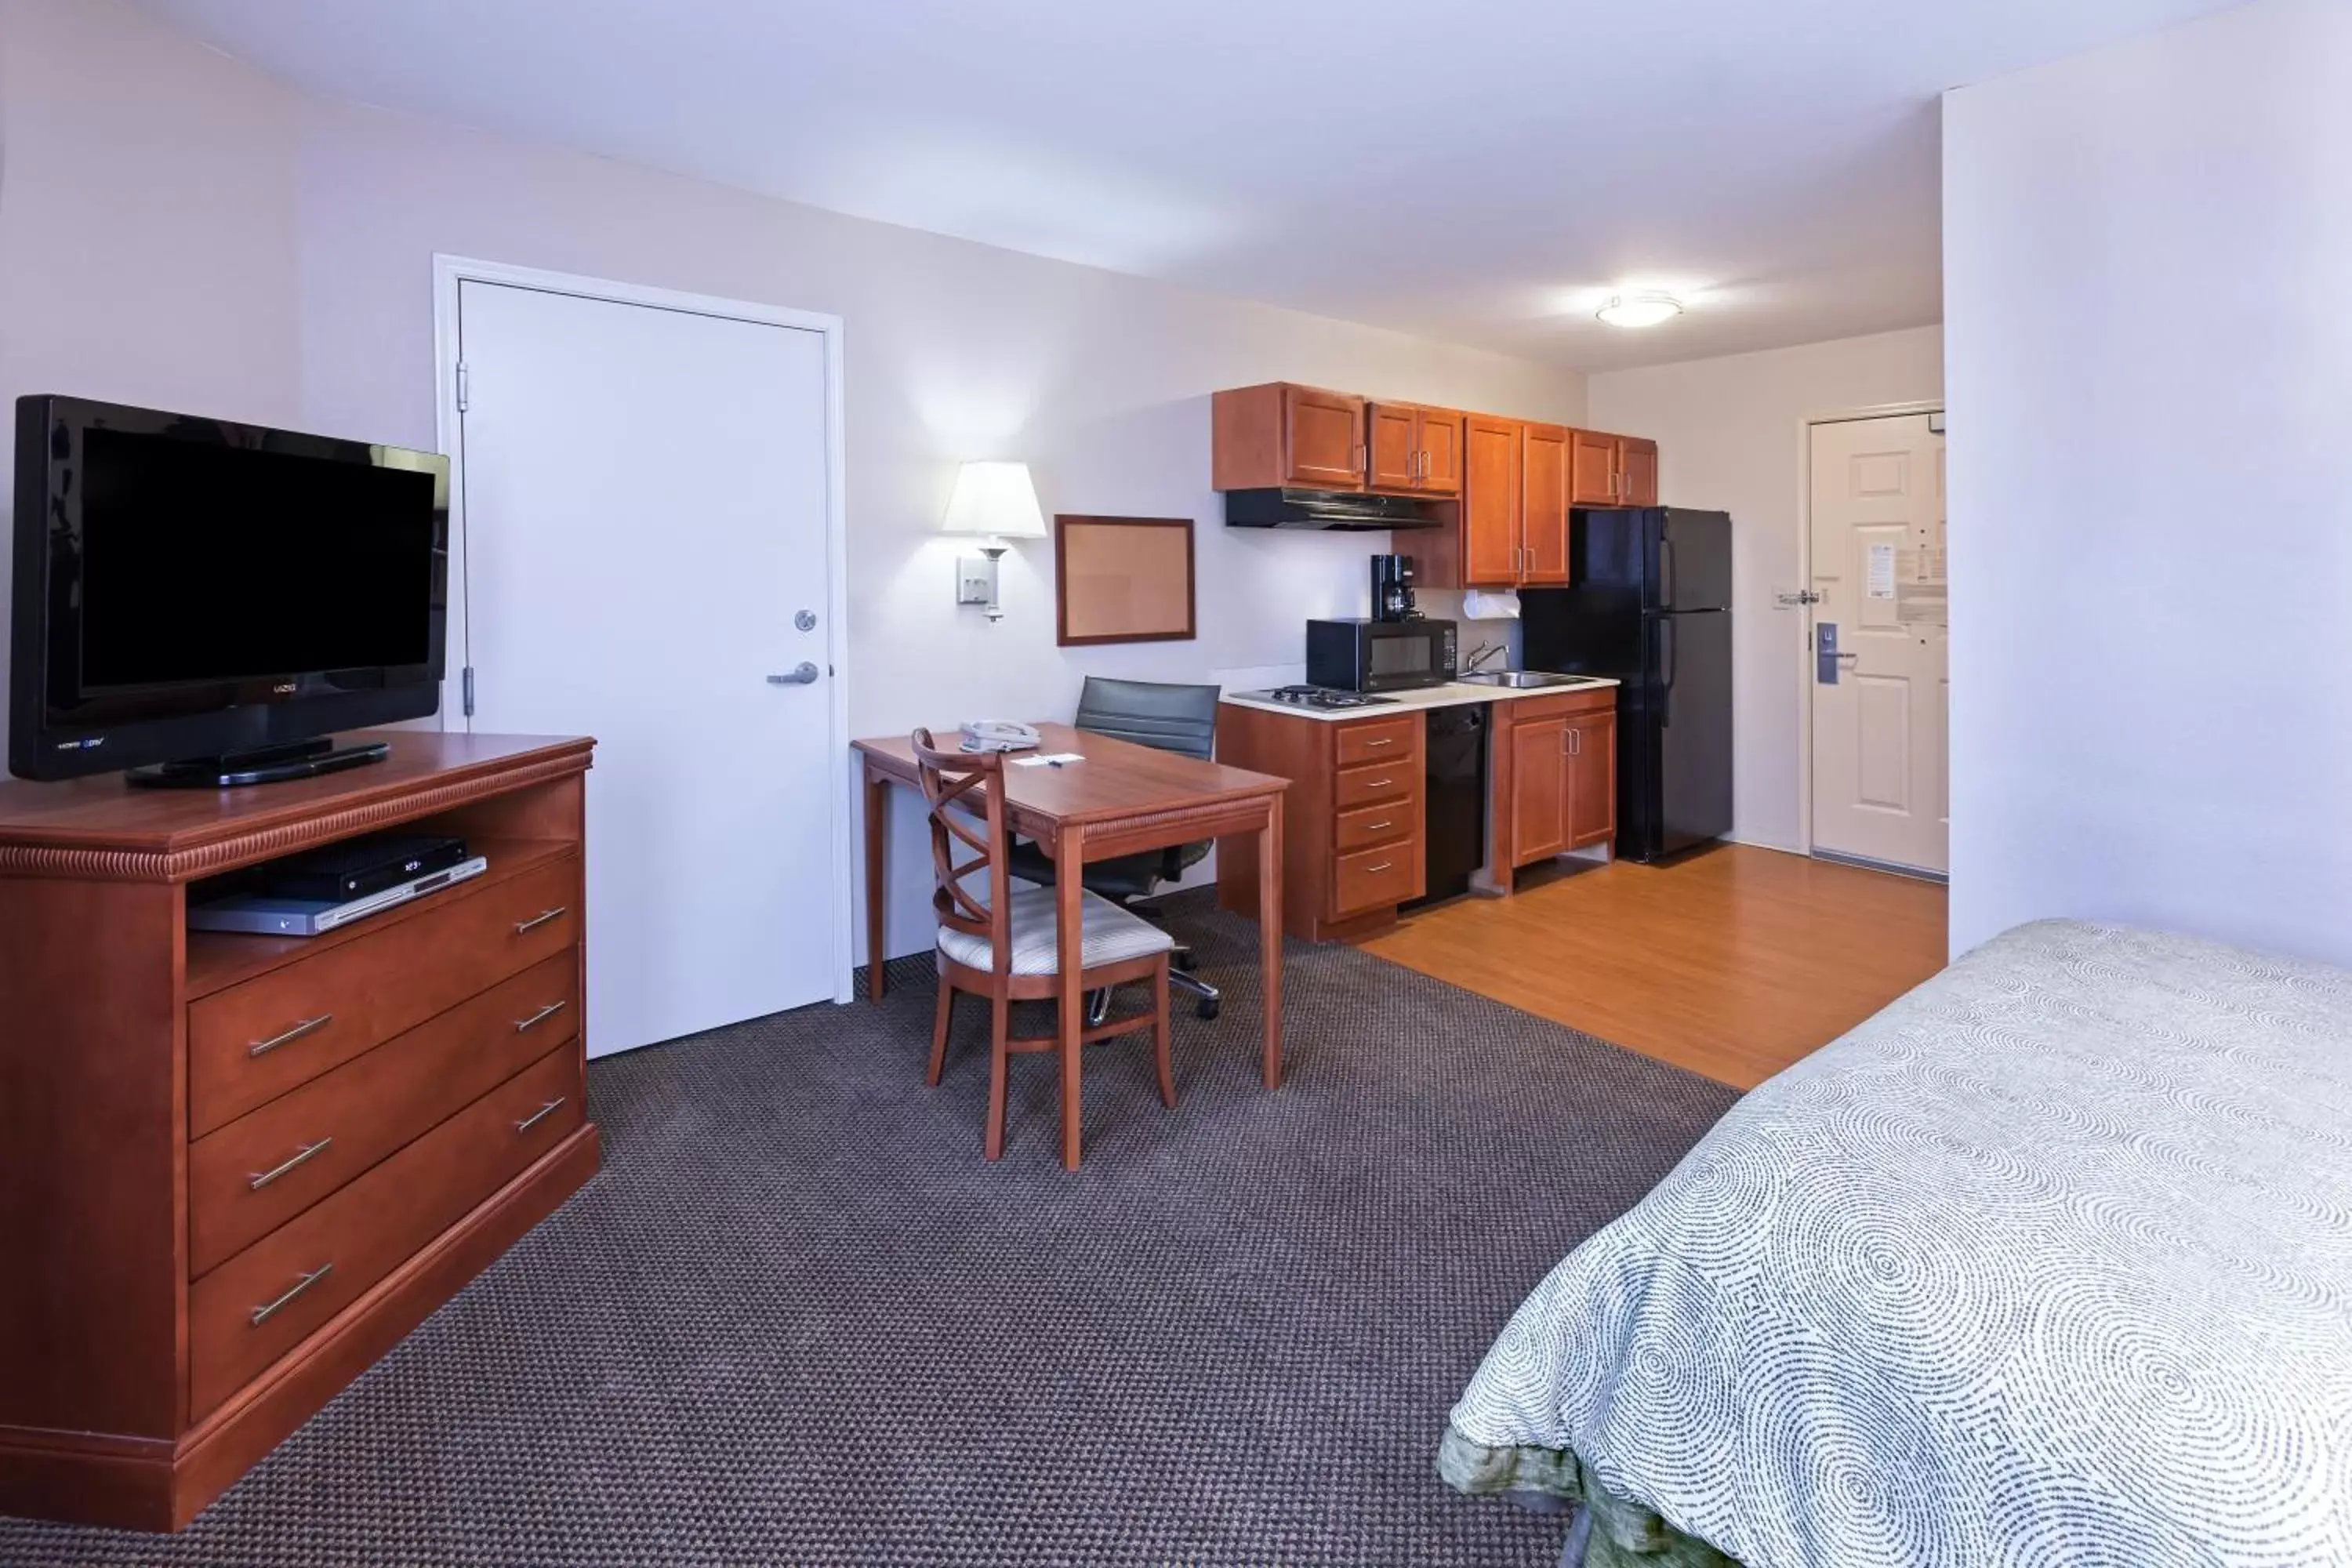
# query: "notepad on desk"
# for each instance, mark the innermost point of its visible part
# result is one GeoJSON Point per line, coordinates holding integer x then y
{"type": "Point", "coordinates": [1052, 759]}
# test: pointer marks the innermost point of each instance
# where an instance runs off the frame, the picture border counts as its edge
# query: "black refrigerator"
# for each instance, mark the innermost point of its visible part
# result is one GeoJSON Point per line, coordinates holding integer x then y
{"type": "Point", "coordinates": [1650, 602]}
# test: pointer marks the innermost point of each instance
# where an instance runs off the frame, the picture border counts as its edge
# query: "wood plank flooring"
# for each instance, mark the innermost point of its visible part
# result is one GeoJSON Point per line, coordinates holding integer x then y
{"type": "Point", "coordinates": [1733, 962]}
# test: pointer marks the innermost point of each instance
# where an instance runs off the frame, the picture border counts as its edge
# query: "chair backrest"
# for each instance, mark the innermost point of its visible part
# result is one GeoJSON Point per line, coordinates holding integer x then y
{"type": "Point", "coordinates": [1151, 713]}
{"type": "Point", "coordinates": [965, 793]}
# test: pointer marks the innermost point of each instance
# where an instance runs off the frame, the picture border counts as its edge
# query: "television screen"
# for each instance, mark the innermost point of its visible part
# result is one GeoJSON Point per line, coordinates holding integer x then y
{"type": "Point", "coordinates": [190, 589]}
{"type": "Point", "coordinates": [208, 562]}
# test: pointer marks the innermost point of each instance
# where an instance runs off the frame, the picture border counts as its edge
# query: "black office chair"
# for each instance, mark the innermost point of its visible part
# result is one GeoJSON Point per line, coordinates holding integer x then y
{"type": "Point", "coordinates": [1181, 719]}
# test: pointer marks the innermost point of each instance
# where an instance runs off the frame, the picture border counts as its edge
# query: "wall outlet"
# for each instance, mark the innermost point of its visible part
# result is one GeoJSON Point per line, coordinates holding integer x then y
{"type": "Point", "coordinates": [973, 579]}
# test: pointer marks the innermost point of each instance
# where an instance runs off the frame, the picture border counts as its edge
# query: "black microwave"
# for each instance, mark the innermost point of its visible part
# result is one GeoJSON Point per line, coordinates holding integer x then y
{"type": "Point", "coordinates": [1379, 656]}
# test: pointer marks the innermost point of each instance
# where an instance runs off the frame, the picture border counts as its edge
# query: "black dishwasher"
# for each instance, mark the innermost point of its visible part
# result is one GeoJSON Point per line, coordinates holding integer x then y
{"type": "Point", "coordinates": [1454, 832]}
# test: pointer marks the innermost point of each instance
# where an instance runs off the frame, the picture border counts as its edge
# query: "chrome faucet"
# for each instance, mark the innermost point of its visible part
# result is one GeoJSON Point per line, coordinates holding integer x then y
{"type": "Point", "coordinates": [1484, 650]}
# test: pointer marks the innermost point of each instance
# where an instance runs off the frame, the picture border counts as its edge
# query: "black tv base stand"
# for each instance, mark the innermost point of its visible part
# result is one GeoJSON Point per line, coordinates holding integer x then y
{"type": "Point", "coordinates": [263, 764]}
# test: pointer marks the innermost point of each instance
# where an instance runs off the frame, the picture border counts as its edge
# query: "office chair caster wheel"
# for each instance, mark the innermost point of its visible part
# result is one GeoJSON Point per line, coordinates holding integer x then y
{"type": "Point", "coordinates": [1185, 961]}
{"type": "Point", "coordinates": [1207, 1008]}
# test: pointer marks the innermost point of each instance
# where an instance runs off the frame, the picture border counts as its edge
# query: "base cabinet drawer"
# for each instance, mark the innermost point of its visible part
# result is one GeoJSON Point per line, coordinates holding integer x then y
{"type": "Point", "coordinates": [266, 1299]}
{"type": "Point", "coordinates": [1376, 782]}
{"type": "Point", "coordinates": [270, 1164]}
{"type": "Point", "coordinates": [1384, 823]}
{"type": "Point", "coordinates": [1372, 878]}
{"type": "Point", "coordinates": [1379, 741]}
{"type": "Point", "coordinates": [251, 1043]}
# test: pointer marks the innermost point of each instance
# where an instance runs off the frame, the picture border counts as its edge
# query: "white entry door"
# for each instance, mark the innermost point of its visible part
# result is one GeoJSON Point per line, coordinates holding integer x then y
{"type": "Point", "coordinates": [1881, 698]}
{"type": "Point", "coordinates": [644, 514]}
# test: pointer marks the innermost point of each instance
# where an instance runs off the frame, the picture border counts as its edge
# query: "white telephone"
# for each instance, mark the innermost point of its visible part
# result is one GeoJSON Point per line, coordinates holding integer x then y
{"type": "Point", "coordinates": [1000, 735]}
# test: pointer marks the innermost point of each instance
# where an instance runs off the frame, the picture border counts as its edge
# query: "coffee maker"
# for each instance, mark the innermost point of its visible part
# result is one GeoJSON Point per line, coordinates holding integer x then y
{"type": "Point", "coordinates": [1392, 589]}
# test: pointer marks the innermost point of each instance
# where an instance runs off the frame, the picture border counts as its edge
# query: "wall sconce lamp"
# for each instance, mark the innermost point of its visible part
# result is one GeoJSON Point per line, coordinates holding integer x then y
{"type": "Point", "coordinates": [996, 502]}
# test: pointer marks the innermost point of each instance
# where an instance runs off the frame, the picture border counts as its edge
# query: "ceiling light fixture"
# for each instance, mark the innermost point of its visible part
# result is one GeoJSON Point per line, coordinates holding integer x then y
{"type": "Point", "coordinates": [1648, 309]}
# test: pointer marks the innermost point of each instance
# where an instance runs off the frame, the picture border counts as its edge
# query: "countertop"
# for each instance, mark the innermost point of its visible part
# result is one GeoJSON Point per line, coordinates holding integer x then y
{"type": "Point", "coordinates": [1453, 695]}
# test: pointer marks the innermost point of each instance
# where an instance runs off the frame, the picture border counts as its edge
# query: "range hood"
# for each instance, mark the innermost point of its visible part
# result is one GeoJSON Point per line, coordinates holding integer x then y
{"type": "Point", "coordinates": [1345, 510]}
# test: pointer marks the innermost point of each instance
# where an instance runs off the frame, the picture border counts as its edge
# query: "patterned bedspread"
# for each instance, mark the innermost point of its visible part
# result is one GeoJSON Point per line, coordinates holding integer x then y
{"type": "Point", "coordinates": [2049, 1263]}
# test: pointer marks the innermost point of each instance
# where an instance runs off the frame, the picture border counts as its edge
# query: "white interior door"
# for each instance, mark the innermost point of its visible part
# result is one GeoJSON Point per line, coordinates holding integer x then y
{"type": "Point", "coordinates": [1881, 706]}
{"type": "Point", "coordinates": [645, 512]}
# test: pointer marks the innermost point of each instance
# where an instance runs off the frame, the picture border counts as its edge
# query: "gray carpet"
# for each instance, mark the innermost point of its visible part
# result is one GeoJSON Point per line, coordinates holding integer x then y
{"type": "Point", "coordinates": [798, 1320]}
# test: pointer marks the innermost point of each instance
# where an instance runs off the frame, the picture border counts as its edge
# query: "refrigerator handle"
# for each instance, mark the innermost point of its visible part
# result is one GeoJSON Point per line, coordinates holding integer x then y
{"type": "Point", "coordinates": [1665, 672]}
{"type": "Point", "coordinates": [1665, 574]}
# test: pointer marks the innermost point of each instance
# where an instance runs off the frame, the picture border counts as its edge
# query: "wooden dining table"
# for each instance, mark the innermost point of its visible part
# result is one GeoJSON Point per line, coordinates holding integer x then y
{"type": "Point", "coordinates": [1120, 799]}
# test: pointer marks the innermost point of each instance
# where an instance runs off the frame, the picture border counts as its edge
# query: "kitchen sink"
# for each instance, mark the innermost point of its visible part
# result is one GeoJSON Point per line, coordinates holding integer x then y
{"type": "Point", "coordinates": [1522, 679]}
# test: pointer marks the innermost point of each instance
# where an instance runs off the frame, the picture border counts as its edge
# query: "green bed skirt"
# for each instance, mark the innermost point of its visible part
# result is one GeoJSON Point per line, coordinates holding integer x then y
{"type": "Point", "coordinates": [1624, 1534]}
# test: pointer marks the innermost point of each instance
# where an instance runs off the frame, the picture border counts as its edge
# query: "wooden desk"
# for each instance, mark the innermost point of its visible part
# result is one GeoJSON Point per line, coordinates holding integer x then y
{"type": "Point", "coordinates": [1123, 799]}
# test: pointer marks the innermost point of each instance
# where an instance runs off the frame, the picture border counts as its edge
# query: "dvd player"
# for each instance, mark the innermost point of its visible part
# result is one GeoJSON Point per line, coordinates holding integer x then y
{"type": "Point", "coordinates": [339, 873]}
{"type": "Point", "coordinates": [272, 914]}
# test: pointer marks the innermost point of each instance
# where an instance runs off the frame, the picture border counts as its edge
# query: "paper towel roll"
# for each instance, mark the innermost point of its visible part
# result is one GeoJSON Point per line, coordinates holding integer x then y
{"type": "Point", "coordinates": [1491, 604]}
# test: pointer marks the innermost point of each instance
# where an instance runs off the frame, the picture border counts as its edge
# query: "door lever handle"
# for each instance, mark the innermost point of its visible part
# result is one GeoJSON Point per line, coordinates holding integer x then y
{"type": "Point", "coordinates": [803, 674]}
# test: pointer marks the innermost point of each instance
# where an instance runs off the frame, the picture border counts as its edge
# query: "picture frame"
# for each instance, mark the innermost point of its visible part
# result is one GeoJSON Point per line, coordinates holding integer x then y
{"type": "Point", "coordinates": [1123, 580]}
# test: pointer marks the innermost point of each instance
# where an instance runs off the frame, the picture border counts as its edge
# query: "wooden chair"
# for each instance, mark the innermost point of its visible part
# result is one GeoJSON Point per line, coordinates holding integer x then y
{"type": "Point", "coordinates": [1002, 945]}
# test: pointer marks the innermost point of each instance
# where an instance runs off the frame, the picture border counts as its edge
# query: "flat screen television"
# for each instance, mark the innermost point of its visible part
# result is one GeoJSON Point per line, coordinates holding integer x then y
{"type": "Point", "coordinates": [203, 602]}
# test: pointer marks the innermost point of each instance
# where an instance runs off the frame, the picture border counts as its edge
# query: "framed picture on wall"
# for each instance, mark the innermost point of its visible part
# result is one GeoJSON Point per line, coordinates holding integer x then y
{"type": "Point", "coordinates": [1122, 579]}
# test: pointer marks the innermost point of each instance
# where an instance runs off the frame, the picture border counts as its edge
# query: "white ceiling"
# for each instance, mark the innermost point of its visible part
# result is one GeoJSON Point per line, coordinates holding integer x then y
{"type": "Point", "coordinates": [1476, 172]}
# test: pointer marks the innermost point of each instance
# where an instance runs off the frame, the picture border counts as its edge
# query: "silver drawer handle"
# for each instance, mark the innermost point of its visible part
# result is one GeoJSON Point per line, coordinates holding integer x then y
{"type": "Point", "coordinates": [542, 1017]}
{"type": "Point", "coordinates": [1390, 742]}
{"type": "Point", "coordinates": [542, 1114]}
{"type": "Point", "coordinates": [307, 1027]}
{"type": "Point", "coordinates": [1376, 827]}
{"type": "Point", "coordinates": [263, 1314]}
{"type": "Point", "coordinates": [523, 928]}
{"type": "Point", "coordinates": [1380, 783]}
{"type": "Point", "coordinates": [1383, 866]}
{"type": "Point", "coordinates": [307, 1153]}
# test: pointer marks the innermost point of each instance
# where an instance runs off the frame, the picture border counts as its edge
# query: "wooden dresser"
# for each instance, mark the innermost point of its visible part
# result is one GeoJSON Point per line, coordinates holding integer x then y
{"type": "Point", "coordinates": [235, 1169]}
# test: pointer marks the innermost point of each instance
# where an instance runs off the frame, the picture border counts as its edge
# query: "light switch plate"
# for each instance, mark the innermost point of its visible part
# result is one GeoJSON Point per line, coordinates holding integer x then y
{"type": "Point", "coordinates": [973, 575]}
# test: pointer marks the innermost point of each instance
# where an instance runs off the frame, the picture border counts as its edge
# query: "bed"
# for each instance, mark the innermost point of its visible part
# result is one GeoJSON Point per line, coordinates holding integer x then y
{"type": "Point", "coordinates": [2048, 1263]}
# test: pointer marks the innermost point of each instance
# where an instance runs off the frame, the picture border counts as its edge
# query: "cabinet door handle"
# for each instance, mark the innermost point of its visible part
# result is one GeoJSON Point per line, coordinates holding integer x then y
{"type": "Point", "coordinates": [307, 1027]}
{"type": "Point", "coordinates": [524, 928]}
{"type": "Point", "coordinates": [269, 1309]}
{"type": "Point", "coordinates": [542, 1114]}
{"type": "Point", "coordinates": [303, 1156]}
{"type": "Point", "coordinates": [542, 1017]}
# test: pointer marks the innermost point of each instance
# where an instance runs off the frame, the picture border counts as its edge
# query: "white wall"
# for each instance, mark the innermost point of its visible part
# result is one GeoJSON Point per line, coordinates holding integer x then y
{"type": "Point", "coordinates": [2147, 252]}
{"type": "Point", "coordinates": [1730, 436]}
{"type": "Point", "coordinates": [954, 350]}
{"type": "Point", "coordinates": [146, 223]}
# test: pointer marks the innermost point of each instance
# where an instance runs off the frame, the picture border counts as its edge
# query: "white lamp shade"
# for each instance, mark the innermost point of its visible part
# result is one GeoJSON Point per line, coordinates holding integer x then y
{"type": "Point", "coordinates": [995, 499]}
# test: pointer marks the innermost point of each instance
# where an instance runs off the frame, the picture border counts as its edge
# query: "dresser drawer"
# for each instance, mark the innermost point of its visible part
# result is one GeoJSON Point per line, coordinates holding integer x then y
{"type": "Point", "coordinates": [251, 1043]}
{"type": "Point", "coordinates": [304, 1272]}
{"type": "Point", "coordinates": [1379, 739]}
{"type": "Point", "coordinates": [1370, 879]}
{"type": "Point", "coordinates": [270, 1164]}
{"type": "Point", "coordinates": [1371, 825]}
{"type": "Point", "coordinates": [1376, 782]}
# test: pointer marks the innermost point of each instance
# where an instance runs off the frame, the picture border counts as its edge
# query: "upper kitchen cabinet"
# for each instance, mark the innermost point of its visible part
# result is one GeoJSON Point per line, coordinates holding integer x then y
{"type": "Point", "coordinates": [1487, 549]}
{"type": "Point", "coordinates": [1396, 446]}
{"type": "Point", "coordinates": [1544, 458]}
{"type": "Point", "coordinates": [1412, 450]}
{"type": "Point", "coordinates": [1637, 460]}
{"type": "Point", "coordinates": [1593, 468]}
{"type": "Point", "coordinates": [1612, 470]}
{"type": "Point", "coordinates": [1437, 436]}
{"type": "Point", "coordinates": [1281, 436]}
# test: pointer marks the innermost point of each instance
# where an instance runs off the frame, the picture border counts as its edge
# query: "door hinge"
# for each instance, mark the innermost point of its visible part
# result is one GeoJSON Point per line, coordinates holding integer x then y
{"type": "Point", "coordinates": [466, 683]}
{"type": "Point", "coordinates": [465, 388]}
